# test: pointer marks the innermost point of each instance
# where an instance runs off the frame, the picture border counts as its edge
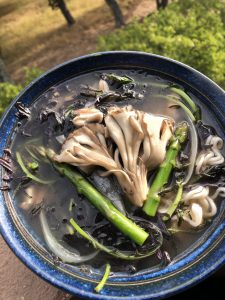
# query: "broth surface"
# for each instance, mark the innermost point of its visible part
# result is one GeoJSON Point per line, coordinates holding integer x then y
{"type": "Point", "coordinates": [58, 195]}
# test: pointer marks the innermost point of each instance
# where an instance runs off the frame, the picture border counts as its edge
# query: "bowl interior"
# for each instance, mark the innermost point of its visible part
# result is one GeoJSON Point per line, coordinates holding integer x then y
{"type": "Point", "coordinates": [186, 267]}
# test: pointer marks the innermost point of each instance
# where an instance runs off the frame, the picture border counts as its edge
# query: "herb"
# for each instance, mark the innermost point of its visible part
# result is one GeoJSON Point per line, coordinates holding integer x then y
{"type": "Point", "coordinates": [33, 166]}
{"type": "Point", "coordinates": [112, 250]}
{"type": "Point", "coordinates": [101, 284]}
{"type": "Point", "coordinates": [120, 79]}
{"type": "Point", "coordinates": [27, 172]}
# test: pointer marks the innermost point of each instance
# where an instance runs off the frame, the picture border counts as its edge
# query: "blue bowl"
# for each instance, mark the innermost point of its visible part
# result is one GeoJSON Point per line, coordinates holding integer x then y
{"type": "Point", "coordinates": [199, 261]}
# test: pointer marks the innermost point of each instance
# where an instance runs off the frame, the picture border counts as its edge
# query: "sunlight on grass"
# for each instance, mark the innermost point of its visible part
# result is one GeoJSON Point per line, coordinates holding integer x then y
{"type": "Point", "coordinates": [30, 20]}
{"type": "Point", "coordinates": [32, 34]}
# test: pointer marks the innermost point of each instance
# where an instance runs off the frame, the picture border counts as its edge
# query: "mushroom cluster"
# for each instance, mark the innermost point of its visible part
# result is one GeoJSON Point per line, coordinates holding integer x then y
{"type": "Point", "coordinates": [126, 142]}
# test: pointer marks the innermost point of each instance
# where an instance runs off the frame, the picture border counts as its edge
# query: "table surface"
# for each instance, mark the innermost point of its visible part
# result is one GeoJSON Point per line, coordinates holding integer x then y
{"type": "Point", "coordinates": [19, 283]}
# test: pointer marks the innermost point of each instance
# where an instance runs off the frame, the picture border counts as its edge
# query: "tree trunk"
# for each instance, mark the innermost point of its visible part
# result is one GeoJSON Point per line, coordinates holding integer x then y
{"type": "Point", "coordinates": [114, 6]}
{"type": "Point", "coordinates": [66, 13]}
{"type": "Point", "coordinates": [4, 76]}
{"type": "Point", "coordinates": [161, 3]}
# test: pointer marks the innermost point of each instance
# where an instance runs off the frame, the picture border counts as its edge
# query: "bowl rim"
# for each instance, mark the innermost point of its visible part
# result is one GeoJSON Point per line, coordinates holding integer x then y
{"type": "Point", "coordinates": [19, 246]}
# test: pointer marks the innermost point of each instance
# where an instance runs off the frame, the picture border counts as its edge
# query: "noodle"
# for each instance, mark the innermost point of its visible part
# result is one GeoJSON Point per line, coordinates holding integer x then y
{"type": "Point", "coordinates": [206, 206]}
{"type": "Point", "coordinates": [210, 157]}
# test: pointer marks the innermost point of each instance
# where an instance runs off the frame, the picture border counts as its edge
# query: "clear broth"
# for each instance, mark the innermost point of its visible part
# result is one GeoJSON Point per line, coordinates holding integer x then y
{"type": "Point", "coordinates": [57, 196]}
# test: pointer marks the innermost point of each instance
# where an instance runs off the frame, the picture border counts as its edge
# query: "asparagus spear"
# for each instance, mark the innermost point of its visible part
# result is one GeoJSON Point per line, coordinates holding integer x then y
{"type": "Point", "coordinates": [126, 255]}
{"type": "Point", "coordinates": [103, 204]}
{"type": "Point", "coordinates": [153, 197]}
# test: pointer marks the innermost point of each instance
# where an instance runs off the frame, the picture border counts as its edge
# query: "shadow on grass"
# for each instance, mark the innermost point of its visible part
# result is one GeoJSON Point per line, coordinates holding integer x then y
{"type": "Point", "coordinates": [7, 7]}
{"type": "Point", "coordinates": [57, 45]}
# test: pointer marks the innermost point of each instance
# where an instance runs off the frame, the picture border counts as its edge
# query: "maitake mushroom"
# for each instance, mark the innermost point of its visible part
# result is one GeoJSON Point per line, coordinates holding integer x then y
{"type": "Point", "coordinates": [87, 115]}
{"type": "Point", "coordinates": [128, 145]}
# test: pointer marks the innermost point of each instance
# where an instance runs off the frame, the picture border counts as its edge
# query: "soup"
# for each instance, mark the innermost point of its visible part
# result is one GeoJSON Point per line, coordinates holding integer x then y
{"type": "Point", "coordinates": [116, 167]}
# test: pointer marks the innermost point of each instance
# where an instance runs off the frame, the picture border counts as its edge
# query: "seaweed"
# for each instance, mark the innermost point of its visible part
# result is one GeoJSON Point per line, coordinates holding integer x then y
{"type": "Point", "coordinates": [204, 131]}
{"type": "Point", "coordinates": [45, 114]}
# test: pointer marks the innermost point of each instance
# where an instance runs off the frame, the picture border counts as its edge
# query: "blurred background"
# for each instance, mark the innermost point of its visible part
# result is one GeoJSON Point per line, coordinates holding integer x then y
{"type": "Point", "coordinates": [37, 35]}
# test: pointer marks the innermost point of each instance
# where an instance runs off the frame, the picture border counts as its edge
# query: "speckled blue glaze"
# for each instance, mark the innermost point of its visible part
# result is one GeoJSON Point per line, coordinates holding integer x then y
{"type": "Point", "coordinates": [182, 273]}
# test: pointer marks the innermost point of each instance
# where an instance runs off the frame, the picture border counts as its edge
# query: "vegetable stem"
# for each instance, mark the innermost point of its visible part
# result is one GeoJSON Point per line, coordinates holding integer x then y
{"type": "Point", "coordinates": [103, 204]}
{"type": "Point", "coordinates": [178, 103]}
{"type": "Point", "coordinates": [185, 108]}
{"type": "Point", "coordinates": [101, 284]}
{"type": "Point", "coordinates": [57, 248]}
{"type": "Point", "coordinates": [162, 176]}
{"type": "Point", "coordinates": [195, 109]}
{"type": "Point", "coordinates": [112, 251]}
{"type": "Point", "coordinates": [27, 172]}
{"type": "Point", "coordinates": [175, 203]}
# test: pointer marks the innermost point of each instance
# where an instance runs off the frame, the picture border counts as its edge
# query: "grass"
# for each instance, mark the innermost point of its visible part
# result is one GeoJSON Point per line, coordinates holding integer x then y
{"type": "Point", "coordinates": [32, 34]}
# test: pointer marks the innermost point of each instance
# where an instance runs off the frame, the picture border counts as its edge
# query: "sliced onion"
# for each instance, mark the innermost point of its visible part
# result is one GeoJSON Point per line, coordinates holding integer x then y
{"type": "Point", "coordinates": [194, 150]}
{"type": "Point", "coordinates": [57, 249]}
